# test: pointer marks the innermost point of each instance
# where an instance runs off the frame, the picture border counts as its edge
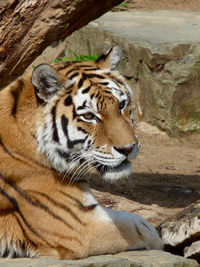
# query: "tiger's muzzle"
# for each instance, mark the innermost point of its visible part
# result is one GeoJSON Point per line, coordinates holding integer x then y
{"type": "Point", "coordinates": [130, 151]}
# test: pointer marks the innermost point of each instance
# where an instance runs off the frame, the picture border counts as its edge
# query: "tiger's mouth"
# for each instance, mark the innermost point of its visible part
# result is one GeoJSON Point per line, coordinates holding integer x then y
{"type": "Point", "coordinates": [116, 172]}
{"type": "Point", "coordinates": [108, 172]}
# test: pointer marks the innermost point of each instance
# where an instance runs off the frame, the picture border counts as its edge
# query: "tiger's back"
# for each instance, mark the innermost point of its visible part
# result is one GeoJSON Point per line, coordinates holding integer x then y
{"type": "Point", "coordinates": [57, 125]}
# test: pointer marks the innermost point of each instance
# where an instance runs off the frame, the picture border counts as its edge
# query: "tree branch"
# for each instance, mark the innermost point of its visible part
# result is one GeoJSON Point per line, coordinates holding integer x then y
{"type": "Point", "coordinates": [27, 27]}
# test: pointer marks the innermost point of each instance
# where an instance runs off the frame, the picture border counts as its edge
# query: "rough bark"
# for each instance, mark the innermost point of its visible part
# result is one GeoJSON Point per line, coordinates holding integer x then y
{"type": "Point", "coordinates": [27, 27]}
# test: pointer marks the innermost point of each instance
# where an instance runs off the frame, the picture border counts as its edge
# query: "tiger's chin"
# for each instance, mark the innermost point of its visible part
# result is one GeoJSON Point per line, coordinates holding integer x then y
{"type": "Point", "coordinates": [114, 173]}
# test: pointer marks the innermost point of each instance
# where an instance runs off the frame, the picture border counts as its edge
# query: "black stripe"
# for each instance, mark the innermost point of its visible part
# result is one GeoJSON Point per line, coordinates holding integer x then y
{"type": "Point", "coordinates": [89, 142]}
{"type": "Point", "coordinates": [91, 69]}
{"type": "Point", "coordinates": [15, 203]}
{"type": "Point", "coordinates": [69, 89]}
{"type": "Point", "coordinates": [69, 71]}
{"type": "Point", "coordinates": [101, 103]}
{"type": "Point", "coordinates": [16, 93]}
{"type": "Point", "coordinates": [10, 199]}
{"type": "Point", "coordinates": [83, 105]}
{"type": "Point", "coordinates": [8, 152]}
{"type": "Point", "coordinates": [62, 236]}
{"type": "Point", "coordinates": [95, 75]}
{"type": "Point", "coordinates": [25, 235]}
{"type": "Point", "coordinates": [101, 100]}
{"type": "Point", "coordinates": [86, 90]}
{"type": "Point", "coordinates": [5, 148]}
{"type": "Point", "coordinates": [116, 79]}
{"type": "Point", "coordinates": [89, 208]}
{"type": "Point", "coordinates": [84, 66]}
{"type": "Point", "coordinates": [62, 67]}
{"type": "Point", "coordinates": [29, 159]}
{"type": "Point", "coordinates": [104, 83]}
{"type": "Point", "coordinates": [58, 205]}
{"type": "Point", "coordinates": [31, 228]}
{"type": "Point", "coordinates": [98, 94]}
{"type": "Point", "coordinates": [78, 202]}
{"type": "Point", "coordinates": [120, 82]}
{"type": "Point", "coordinates": [81, 81]}
{"type": "Point", "coordinates": [68, 101]}
{"type": "Point", "coordinates": [74, 113]}
{"type": "Point", "coordinates": [82, 130]}
{"type": "Point", "coordinates": [35, 202]}
{"type": "Point", "coordinates": [64, 122]}
{"type": "Point", "coordinates": [74, 75]}
{"type": "Point", "coordinates": [55, 130]}
{"type": "Point", "coordinates": [63, 154]}
{"type": "Point", "coordinates": [107, 92]}
{"type": "Point", "coordinates": [20, 154]}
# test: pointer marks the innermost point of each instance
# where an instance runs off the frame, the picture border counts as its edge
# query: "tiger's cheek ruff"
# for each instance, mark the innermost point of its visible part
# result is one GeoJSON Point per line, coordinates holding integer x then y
{"type": "Point", "coordinates": [60, 139]}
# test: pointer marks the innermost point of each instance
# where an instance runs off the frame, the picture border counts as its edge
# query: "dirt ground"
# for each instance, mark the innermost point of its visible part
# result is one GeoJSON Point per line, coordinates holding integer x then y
{"type": "Point", "coordinates": [189, 5]}
{"type": "Point", "coordinates": [165, 178]}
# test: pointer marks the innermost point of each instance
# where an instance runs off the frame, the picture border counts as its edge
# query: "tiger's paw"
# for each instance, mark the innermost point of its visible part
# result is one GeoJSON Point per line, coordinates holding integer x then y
{"type": "Point", "coordinates": [146, 235]}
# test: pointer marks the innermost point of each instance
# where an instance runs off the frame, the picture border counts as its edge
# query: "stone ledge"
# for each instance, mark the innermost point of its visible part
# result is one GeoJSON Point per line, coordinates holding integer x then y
{"type": "Point", "coordinates": [142, 27]}
{"type": "Point", "coordinates": [149, 258]}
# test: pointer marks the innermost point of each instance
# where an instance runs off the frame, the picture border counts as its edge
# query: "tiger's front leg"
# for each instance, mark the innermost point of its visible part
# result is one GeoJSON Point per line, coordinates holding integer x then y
{"type": "Point", "coordinates": [112, 231]}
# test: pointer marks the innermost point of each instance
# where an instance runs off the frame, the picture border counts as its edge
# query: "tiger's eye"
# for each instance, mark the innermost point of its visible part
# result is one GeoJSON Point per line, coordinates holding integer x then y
{"type": "Point", "coordinates": [122, 104]}
{"type": "Point", "coordinates": [88, 116]}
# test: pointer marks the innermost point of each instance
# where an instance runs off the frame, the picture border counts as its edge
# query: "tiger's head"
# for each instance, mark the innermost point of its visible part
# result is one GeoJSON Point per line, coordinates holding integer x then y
{"type": "Point", "coordinates": [85, 122]}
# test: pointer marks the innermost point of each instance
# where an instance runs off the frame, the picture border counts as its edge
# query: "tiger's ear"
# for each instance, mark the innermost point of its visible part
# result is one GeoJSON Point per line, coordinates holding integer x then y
{"type": "Point", "coordinates": [46, 81]}
{"type": "Point", "coordinates": [110, 59]}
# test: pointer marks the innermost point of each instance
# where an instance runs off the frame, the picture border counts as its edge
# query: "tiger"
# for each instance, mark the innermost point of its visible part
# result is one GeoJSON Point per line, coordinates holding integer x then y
{"type": "Point", "coordinates": [59, 124]}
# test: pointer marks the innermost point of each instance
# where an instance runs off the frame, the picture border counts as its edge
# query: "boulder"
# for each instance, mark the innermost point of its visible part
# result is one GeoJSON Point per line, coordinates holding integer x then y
{"type": "Point", "coordinates": [181, 233]}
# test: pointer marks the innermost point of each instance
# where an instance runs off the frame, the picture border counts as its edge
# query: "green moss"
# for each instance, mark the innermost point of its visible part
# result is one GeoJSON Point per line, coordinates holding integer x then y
{"type": "Point", "coordinates": [75, 57]}
{"type": "Point", "coordinates": [123, 4]}
{"type": "Point", "coordinates": [190, 126]}
{"type": "Point", "coordinates": [189, 115]}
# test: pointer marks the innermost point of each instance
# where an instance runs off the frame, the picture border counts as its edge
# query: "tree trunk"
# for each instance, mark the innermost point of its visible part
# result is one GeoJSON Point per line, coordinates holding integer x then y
{"type": "Point", "coordinates": [27, 27]}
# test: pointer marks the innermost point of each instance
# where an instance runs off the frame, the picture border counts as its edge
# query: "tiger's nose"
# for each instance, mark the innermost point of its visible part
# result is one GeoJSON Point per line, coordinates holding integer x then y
{"type": "Point", "coordinates": [131, 151]}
